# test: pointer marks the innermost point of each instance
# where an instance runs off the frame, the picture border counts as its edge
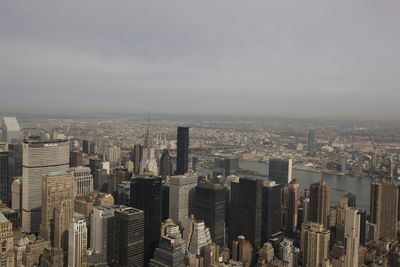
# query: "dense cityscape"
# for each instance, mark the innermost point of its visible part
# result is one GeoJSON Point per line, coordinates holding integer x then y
{"type": "Point", "coordinates": [142, 191]}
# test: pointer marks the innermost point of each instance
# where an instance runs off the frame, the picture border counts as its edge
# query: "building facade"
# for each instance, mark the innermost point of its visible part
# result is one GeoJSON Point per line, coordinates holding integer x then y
{"type": "Point", "coordinates": [182, 151]}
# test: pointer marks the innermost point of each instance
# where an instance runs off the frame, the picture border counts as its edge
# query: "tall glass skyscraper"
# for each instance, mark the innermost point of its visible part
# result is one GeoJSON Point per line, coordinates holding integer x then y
{"type": "Point", "coordinates": [182, 150]}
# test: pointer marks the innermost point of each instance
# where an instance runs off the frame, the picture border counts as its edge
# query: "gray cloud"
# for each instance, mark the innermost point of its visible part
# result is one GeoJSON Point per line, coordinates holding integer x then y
{"type": "Point", "coordinates": [288, 58]}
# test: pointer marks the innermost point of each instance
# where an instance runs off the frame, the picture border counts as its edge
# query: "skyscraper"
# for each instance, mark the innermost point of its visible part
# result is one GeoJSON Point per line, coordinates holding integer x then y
{"type": "Point", "coordinates": [271, 221]}
{"type": "Point", "coordinates": [181, 197]}
{"type": "Point", "coordinates": [246, 210]}
{"type": "Point", "coordinates": [199, 238]}
{"type": "Point", "coordinates": [85, 146]}
{"type": "Point", "coordinates": [137, 156]}
{"type": "Point", "coordinates": [11, 130]}
{"type": "Point", "coordinates": [311, 140]}
{"type": "Point", "coordinates": [83, 180]}
{"type": "Point", "coordinates": [165, 165]}
{"type": "Point", "coordinates": [210, 207]}
{"type": "Point", "coordinates": [182, 151]}
{"type": "Point", "coordinates": [291, 206]}
{"type": "Point", "coordinates": [280, 171]}
{"type": "Point", "coordinates": [384, 198]}
{"type": "Point", "coordinates": [40, 157]}
{"type": "Point", "coordinates": [242, 251]}
{"type": "Point", "coordinates": [146, 196]}
{"type": "Point", "coordinates": [129, 237]}
{"type": "Point", "coordinates": [77, 249]}
{"type": "Point", "coordinates": [102, 232]}
{"type": "Point", "coordinates": [320, 198]}
{"type": "Point", "coordinates": [5, 181]}
{"type": "Point", "coordinates": [352, 237]}
{"type": "Point", "coordinates": [57, 208]}
{"type": "Point", "coordinates": [314, 244]}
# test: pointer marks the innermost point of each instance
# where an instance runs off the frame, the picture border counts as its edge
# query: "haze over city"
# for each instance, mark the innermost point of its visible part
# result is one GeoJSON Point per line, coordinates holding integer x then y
{"type": "Point", "coordinates": [334, 59]}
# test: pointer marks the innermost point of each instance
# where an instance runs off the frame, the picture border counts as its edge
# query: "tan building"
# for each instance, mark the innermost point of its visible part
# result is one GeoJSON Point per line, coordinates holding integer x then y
{"type": "Point", "coordinates": [242, 251]}
{"type": "Point", "coordinates": [320, 198]}
{"type": "Point", "coordinates": [57, 208]}
{"type": "Point", "coordinates": [34, 252]}
{"type": "Point", "coordinates": [384, 198]}
{"type": "Point", "coordinates": [6, 242]}
{"type": "Point", "coordinates": [352, 237]}
{"type": "Point", "coordinates": [314, 244]}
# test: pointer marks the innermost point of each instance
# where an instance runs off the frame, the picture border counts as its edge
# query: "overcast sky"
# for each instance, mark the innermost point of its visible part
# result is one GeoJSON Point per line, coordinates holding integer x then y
{"type": "Point", "coordinates": [267, 58]}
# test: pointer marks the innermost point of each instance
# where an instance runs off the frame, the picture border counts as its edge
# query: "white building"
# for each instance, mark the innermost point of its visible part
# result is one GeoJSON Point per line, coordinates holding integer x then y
{"type": "Point", "coordinates": [11, 130]}
{"type": "Point", "coordinates": [101, 232]}
{"type": "Point", "coordinates": [200, 237]}
{"type": "Point", "coordinates": [352, 237]}
{"type": "Point", "coordinates": [77, 248]}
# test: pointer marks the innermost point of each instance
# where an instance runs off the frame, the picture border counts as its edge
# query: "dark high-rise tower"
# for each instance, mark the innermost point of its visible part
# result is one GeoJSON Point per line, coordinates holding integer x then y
{"type": "Point", "coordinates": [137, 156]}
{"type": "Point", "coordinates": [165, 164]}
{"type": "Point", "coordinates": [246, 210]}
{"type": "Point", "coordinates": [311, 141]}
{"type": "Point", "coordinates": [182, 151]}
{"type": "Point", "coordinates": [384, 198]}
{"type": "Point", "coordinates": [280, 170]}
{"type": "Point", "coordinates": [291, 208]}
{"type": "Point", "coordinates": [271, 221]}
{"type": "Point", "coordinates": [128, 237]}
{"type": "Point", "coordinates": [320, 198]}
{"type": "Point", "coordinates": [85, 146]}
{"type": "Point", "coordinates": [5, 181]}
{"type": "Point", "coordinates": [210, 207]}
{"type": "Point", "coordinates": [146, 196]}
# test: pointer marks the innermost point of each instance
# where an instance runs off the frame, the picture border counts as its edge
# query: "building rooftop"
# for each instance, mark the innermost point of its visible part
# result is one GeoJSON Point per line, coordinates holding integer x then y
{"type": "Point", "coordinates": [3, 218]}
{"type": "Point", "coordinates": [11, 124]}
{"type": "Point", "coordinates": [58, 173]}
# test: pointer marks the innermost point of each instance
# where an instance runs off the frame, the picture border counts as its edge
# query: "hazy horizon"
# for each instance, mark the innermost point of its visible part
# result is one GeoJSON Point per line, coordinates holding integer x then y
{"type": "Point", "coordinates": [335, 60]}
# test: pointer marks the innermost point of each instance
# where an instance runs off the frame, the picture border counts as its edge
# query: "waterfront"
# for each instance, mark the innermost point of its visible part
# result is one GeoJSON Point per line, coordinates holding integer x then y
{"type": "Point", "coordinates": [341, 184]}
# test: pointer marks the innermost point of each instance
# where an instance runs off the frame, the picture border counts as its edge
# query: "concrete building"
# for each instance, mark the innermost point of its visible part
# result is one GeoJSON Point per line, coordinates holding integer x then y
{"type": "Point", "coordinates": [352, 237]}
{"type": "Point", "coordinates": [77, 250]}
{"type": "Point", "coordinates": [16, 194]}
{"type": "Point", "coordinates": [75, 159]}
{"type": "Point", "coordinates": [129, 237]}
{"type": "Point", "coordinates": [166, 169]}
{"type": "Point", "coordinates": [271, 210]}
{"type": "Point", "coordinates": [102, 231]}
{"type": "Point", "coordinates": [83, 180]}
{"type": "Point", "coordinates": [57, 208]}
{"type": "Point", "coordinates": [181, 196]}
{"type": "Point", "coordinates": [314, 244]}
{"type": "Point", "coordinates": [242, 251]}
{"type": "Point", "coordinates": [39, 159]}
{"type": "Point", "coordinates": [199, 238]}
{"type": "Point", "coordinates": [11, 131]}
{"type": "Point", "coordinates": [384, 201]}
{"type": "Point", "coordinates": [311, 142]}
{"type": "Point", "coordinates": [291, 207]}
{"type": "Point", "coordinates": [6, 242]}
{"type": "Point", "coordinates": [319, 206]}
{"type": "Point", "coordinates": [280, 170]}
{"type": "Point", "coordinates": [210, 207]}
{"type": "Point", "coordinates": [124, 193]}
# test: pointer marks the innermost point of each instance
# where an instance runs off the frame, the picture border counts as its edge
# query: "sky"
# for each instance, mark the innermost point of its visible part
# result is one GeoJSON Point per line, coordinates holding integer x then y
{"type": "Point", "coordinates": [333, 59]}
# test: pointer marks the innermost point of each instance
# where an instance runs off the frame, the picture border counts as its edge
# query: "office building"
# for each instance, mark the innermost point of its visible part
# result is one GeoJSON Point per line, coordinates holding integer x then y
{"type": "Point", "coordinates": [146, 196]}
{"type": "Point", "coordinates": [319, 206]}
{"type": "Point", "coordinates": [288, 253]}
{"type": "Point", "coordinates": [16, 194]}
{"type": "Point", "coordinates": [171, 250]}
{"type": "Point", "coordinates": [165, 200]}
{"type": "Point", "coordinates": [6, 242]}
{"type": "Point", "coordinates": [351, 200]}
{"type": "Point", "coordinates": [246, 210]}
{"type": "Point", "coordinates": [210, 207]}
{"type": "Point", "coordinates": [113, 155]}
{"type": "Point", "coordinates": [165, 165]}
{"type": "Point", "coordinates": [129, 237]}
{"type": "Point", "coordinates": [352, 237]}
{"type": "Point", "coordinates": [86, 146]}
{"type": "Point", "coordinates": [242, 251]}
{"type": "Point", "coordinates": [271, 220]}
{"type": "Point", "coordinates": [181, 196]}
{"type": "Point", "coordinates": [182, 151]}
{"type": "Point", "coordinates": [75, 159]}
{"type": "Point", "coordinates": [14, 160]}
{"type": "Point", "coordinates": [314, 244]}
{"type": "Point", "coordinates": [136, 157]}
{"type": "Point", "coordinates": [384, 201]}
{"type": "Point", "coordinates": [11, 131]}
{"type": "Point", "coordinates": [5, 181]}
{"type": "Point", "coordinates": [124, 193]}
{"type": "Point", "coordinates": [291, 207]}
{"type": "Point", "coordinates": [57, 208]}
{"type": "Point", "coordinates": [311, 144]}
{"type": "Point", "coordinates": [225, 166]}
{"type": "Point", "coordinates": [39, 159]}
{"type": "Point", "coordinates": [83, 180]}
{"type": "Point", "coordinates": [280, 170]}
{"type": "Point", "coordinates": [363, 226]}
{"type": "Point", "coordinates": [77, 250]}
{"type": "Point", "coordinates": [199, 238]}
